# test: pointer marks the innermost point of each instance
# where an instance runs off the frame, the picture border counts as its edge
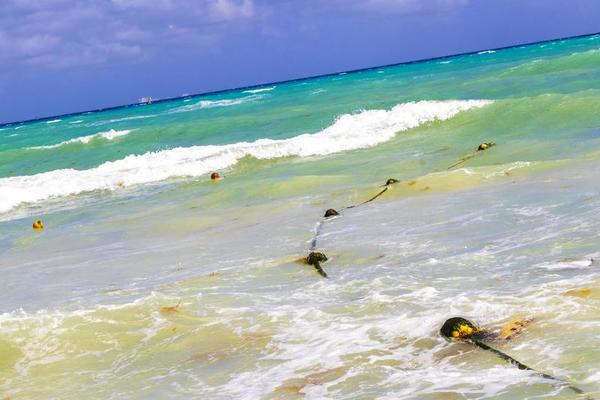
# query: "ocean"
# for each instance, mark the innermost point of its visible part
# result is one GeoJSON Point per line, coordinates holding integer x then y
{"type": "Point", "coordinates": [150, 281]}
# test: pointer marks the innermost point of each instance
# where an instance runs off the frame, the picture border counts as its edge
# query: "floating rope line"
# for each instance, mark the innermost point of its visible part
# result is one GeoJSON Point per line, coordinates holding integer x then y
{"type": "Point", "coordinates": [386, 186]}
{"type": "Point", "coordinates": [454, 328]}
{"type": "Point", "coordinates": [313, 244]}
{"type": "Point", "coordinates": [328, 214]}
{"type": "Point", "coordinates": [461, 329]}
{"type": "Point", "coordinates": [334, 213]}
{"type": "Point", "coordinates": [482, 147]}
{"type": "Point", "coordinates": [315, 258]}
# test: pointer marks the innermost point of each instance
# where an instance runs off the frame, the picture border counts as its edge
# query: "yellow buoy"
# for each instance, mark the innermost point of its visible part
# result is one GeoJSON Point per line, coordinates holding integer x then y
{"type": "Point", "coordinates": [38, 225]}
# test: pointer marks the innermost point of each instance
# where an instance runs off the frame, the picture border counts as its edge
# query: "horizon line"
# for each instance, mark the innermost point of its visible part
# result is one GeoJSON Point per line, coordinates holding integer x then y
{"type": "Point", "coordinates": [258, 85]}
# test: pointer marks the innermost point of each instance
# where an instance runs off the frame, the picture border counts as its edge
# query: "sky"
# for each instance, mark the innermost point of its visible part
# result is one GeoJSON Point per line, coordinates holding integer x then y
{"type": "Point", "coordinates": [64, 56]}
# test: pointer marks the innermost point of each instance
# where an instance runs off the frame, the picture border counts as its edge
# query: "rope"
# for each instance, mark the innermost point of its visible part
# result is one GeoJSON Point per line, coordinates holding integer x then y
{"type": "Point", "coordinates": [482, 147]}
{"type": "Point", "coordinates": [315, 259]}
{"type": "Point", "coordinates": [522, 366]}
{"type": "Point", "coordinates": [313, 244]}
{"type": "Point", "coordinates": [462, 160]}
{"type": "Point", "coordinates": [332, 212]}
{"type": "Point", "coordinates": [368, 201]}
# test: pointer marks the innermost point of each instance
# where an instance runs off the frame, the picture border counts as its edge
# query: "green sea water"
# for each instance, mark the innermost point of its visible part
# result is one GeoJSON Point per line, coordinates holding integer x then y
{"type": "Point", "coordinates": [151, 281]}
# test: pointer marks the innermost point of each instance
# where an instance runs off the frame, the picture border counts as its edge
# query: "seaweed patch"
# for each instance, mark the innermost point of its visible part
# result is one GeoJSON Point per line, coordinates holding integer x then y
{"type": "Point", "coordinates": [170, 310]}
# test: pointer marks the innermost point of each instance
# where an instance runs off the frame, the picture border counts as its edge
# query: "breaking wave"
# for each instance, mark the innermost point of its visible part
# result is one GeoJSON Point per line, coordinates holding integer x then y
{"type": "Point", "coordinates": [253, 91]}
{"type": "Point", "coordinates": [216, 103]}
{"type": "Point", "coordinates": [348, 132]}
{"type": "Point", "coordinates": [108, 135]}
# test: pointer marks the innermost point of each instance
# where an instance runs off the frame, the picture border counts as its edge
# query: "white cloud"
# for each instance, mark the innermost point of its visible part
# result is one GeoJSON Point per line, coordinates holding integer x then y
{"type": "Point", "coordinates": [61, 33]}
{"type": "Point", "coordinates": [407, 6]}
{"type": "Point", "coordinates": [230, 9]}
{"type": "Point", "coordinates": [387, 6]}
{"type": "Point", "coordinates": [36, 44]}
{"type": "Point", "coordinates": [37, 4]}
{"type": "Point", "coordinates": [152, 4]}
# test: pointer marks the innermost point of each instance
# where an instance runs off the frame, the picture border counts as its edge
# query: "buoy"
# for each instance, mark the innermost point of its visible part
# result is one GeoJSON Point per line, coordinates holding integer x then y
{"type": "Point", "coordinates": [215, 176]}
{"type": "Point", "coordinates": [459, 328]}
{"type": "Point", "coordinates": [485, 146]}
{"type": "Point", "coordinates": [315, 259]}
{"type": "Point", "coordinates": [38, 225]}
{"type": "Point", "coordinates": [331, 213]}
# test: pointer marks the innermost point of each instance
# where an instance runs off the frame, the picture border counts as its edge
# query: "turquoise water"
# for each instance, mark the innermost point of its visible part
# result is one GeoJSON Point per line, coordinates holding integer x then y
{"type": "Point", "coordinates": [150, 281]}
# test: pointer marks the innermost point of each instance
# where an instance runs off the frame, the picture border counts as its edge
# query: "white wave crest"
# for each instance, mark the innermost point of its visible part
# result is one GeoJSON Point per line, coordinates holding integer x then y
{"type": "Point", "coordinates": [253, 91]}
{"type": "Point", "coordinates": [54, 121]}
{"type": "Point", "coordinates": [216, 103]}
{"type": "Point", "coordinates": [571, 263]}
{"type": "Point", "coordinates": [108, 135]}
{"type": "Point", "coordinates": [348, 132]}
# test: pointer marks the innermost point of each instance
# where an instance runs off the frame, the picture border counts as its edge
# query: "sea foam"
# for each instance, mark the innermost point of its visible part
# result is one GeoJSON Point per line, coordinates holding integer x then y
{"type": "Point", "coordinates": [108, 135]}
{"type": "Point", "coordinates": [348, 132]}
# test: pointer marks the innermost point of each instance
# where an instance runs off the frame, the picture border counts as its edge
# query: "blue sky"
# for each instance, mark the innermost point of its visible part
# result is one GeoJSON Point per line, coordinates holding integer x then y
{"type": "Point", "coordinates": [61, 56]}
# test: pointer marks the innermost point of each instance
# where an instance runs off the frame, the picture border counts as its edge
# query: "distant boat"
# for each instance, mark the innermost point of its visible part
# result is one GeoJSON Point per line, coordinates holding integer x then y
{"type": "Point", "coordinates": [146, 100]}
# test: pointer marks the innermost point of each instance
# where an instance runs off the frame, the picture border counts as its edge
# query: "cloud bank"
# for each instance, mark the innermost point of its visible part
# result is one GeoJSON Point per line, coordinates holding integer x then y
{"type": "Point", "coordinates": [61, 33]}
{"type": "Point", "coordinates": [64, 33]}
